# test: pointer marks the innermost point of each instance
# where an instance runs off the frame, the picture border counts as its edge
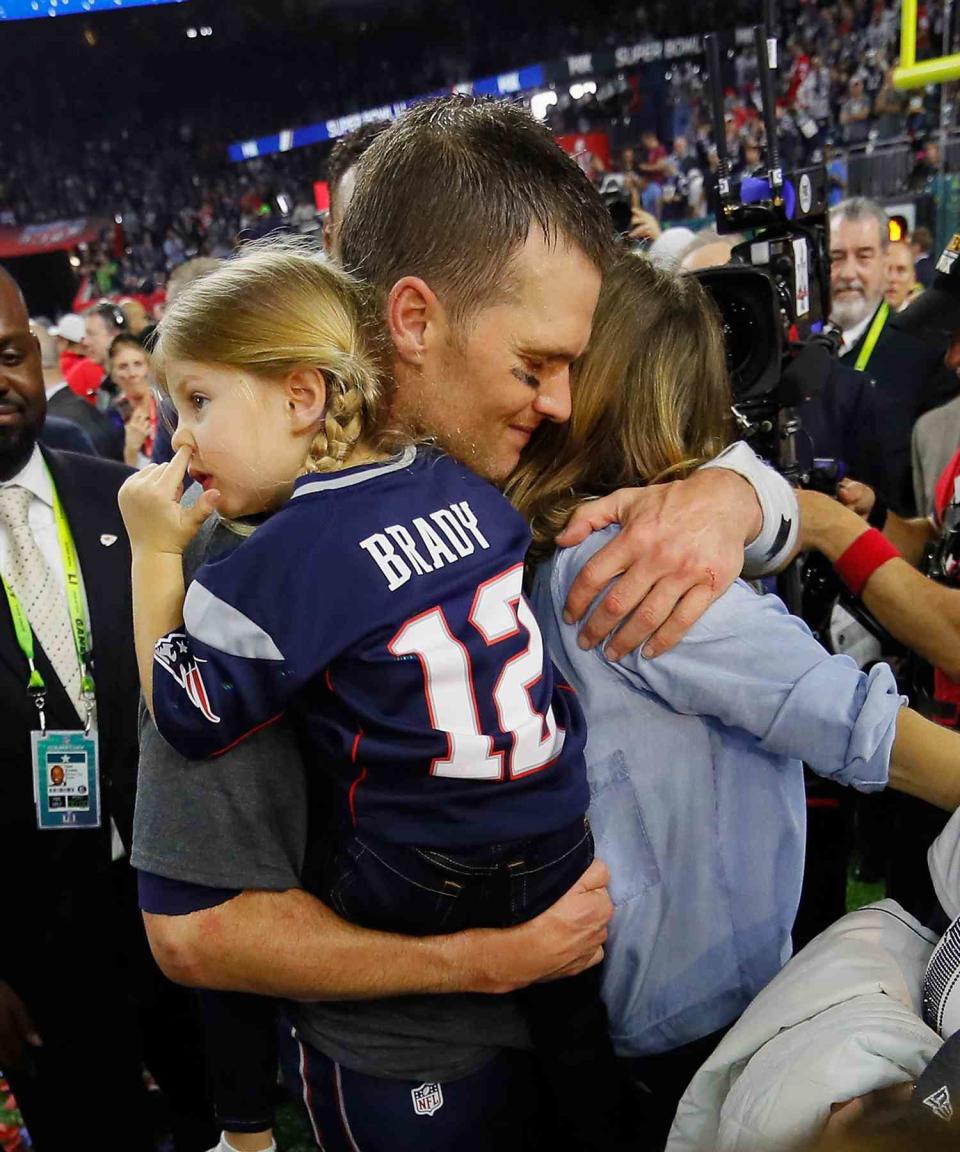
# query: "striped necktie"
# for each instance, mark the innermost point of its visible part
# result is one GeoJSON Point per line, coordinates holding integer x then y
{"type": "Point", "coordinates": [40, 593]}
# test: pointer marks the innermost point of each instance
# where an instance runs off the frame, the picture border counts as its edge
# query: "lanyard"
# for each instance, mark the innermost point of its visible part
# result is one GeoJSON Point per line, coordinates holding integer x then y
{"type": "Point", "coordinates": [78, 621]}
{"type": "Point", "coordinates": [873, 335]}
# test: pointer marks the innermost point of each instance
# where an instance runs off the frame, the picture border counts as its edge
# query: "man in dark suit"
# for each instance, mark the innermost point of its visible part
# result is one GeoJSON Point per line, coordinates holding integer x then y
{"type": "Point", "coordinates": [63, 403]}
{"type": "Point", "coordinates": [66, 436]}
{"type": "Point", "coordinates": [81, 1009]}
{"type": "Point", "coordinates": [909, 374]}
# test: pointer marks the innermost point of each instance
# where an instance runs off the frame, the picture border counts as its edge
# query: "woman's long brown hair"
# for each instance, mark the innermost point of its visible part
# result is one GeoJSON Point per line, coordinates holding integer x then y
{"type": "Point", "coordinates": [651, 400]}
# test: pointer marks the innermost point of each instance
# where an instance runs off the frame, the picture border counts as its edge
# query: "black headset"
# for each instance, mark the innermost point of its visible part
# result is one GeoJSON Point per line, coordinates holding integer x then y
{"type": "Point", "coordinates": [112, 313]}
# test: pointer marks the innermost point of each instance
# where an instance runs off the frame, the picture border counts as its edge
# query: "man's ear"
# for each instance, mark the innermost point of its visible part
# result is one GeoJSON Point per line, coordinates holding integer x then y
{"type": "Point", "coordinates": [306, 398]}
{"type": "Point", "coordinates": [415, 318]}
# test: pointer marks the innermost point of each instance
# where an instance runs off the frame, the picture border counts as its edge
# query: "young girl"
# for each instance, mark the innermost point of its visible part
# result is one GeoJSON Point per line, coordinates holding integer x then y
{"type": "Point", "coordinates": [695, 758]}
{"type": "Point", "coordinates": [380, 607]}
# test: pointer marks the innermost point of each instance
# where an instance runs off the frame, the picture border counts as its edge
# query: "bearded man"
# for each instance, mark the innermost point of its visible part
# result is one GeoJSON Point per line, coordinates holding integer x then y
{"type": "Point", "coordinates": [909, 375]}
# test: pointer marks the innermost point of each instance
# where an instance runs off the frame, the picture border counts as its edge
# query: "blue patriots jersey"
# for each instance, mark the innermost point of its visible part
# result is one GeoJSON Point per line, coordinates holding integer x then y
{"type": "Point", "coordinates": [381, 608]}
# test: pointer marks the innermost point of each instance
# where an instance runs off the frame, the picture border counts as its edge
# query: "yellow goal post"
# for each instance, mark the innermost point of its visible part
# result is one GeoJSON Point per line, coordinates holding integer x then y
{"type": "Point", "coordinates": [910, 74]}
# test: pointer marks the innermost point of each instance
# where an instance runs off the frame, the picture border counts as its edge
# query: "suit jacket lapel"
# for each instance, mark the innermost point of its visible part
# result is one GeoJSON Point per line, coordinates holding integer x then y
{"type": "Point", "coordinates": [105, 567]}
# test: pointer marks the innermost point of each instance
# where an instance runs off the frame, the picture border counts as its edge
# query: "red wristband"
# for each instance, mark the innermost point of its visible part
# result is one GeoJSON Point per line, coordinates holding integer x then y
{"type": "Point", "coordinates": [864, 556]}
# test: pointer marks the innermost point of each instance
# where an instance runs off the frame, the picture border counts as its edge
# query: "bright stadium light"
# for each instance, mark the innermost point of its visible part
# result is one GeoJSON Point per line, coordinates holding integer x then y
{"type": "Point", "coordinates": [540, 102]}
{"type": "Point", "coordinates": [191, 33]}
{"type": "Point", "coordinates": [587, 88]}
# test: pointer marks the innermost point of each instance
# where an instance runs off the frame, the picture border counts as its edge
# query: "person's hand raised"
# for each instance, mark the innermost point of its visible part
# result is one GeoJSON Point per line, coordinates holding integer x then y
{"type": "Point", "coordinates": [137, 429]}
{"type": "Point", "coordinates": [643, 225]}
{"type": "Point", "coordinates": [859, 498]}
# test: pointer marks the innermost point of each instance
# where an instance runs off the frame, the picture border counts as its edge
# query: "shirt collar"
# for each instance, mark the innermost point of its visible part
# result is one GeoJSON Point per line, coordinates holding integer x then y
{"type": "Point", "coordinates": [34, 477]}
{"type": "Point", "coordinates": [852, 335]}
{"type": "Point", "coordinates": [54, 389]}
{"type": "Point", "coordinates": [348, 477]}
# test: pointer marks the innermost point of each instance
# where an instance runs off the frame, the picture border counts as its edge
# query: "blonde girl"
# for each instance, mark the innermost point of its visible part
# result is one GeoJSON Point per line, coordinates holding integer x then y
{"type": "Point", "coordinates": [275, 371]}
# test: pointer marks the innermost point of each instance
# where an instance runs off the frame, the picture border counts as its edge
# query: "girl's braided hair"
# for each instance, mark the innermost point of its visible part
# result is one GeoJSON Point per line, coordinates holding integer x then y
{"type": "Point", "coordinates": [279, 306]}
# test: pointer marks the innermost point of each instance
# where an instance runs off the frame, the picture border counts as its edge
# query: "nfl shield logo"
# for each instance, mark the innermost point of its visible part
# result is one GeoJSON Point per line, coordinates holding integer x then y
{"type": "Point", "coordinates": [427, 1099]}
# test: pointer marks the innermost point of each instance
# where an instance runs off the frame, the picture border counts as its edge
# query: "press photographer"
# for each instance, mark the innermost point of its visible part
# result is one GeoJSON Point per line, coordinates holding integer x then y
{"type": "Point", "coordinates": [907, 372]}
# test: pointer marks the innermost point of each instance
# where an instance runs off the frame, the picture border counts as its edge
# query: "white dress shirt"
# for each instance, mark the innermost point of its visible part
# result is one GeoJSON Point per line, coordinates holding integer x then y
{"type": "Point", "coordinates": [852, 335]}
{"type": "Point", "coordinates": [36, 479]}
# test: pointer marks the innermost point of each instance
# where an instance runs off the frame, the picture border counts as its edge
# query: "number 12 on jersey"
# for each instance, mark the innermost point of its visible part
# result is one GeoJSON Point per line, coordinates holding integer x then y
{"type": "Point", "coordinates": [498, 612]}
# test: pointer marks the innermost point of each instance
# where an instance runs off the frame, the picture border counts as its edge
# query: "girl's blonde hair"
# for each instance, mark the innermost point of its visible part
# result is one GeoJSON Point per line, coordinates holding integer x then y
{"type": "Point", "coordinates": [650, 399]}
{"type": "Point", "coordinates": [279, 306]}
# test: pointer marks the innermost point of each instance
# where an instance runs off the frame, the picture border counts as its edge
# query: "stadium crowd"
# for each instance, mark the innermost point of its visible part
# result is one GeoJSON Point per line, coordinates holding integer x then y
{"type": "Point", "coordinates": [835, 91]}
{"type": "Point", "coordinates": [398, 704]}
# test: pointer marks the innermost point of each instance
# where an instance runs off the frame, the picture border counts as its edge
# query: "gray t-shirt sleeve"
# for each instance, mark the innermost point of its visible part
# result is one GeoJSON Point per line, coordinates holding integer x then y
{"type": "Point", "coordinates": [239, 821]}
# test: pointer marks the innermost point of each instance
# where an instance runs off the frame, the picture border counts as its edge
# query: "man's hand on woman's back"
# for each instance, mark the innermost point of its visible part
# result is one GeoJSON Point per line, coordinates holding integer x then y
{"type": "Point", "coordinates": [680, 547]}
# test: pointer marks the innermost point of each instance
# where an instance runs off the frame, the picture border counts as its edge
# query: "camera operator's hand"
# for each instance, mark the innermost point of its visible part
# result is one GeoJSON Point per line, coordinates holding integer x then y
{"type": "Point", "coordinates": [680, 547]}
{"type": "Point", "coordinates": [859, 498]}
{"type": "Point", "coordinates": [643, 225]}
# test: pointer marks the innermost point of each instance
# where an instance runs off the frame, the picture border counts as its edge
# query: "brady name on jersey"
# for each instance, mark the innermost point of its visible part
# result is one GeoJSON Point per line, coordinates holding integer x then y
{"type": "Point", "coordinates": [446, 535]}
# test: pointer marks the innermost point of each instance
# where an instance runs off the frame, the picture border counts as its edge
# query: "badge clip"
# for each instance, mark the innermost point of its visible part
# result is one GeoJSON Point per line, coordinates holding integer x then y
{"type": "Point", "coordinates": [37, 691]}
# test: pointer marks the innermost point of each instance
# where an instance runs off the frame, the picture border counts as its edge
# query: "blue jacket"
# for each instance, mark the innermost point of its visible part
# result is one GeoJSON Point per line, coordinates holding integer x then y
{"type": "Point", "coordinates": [697, 797]}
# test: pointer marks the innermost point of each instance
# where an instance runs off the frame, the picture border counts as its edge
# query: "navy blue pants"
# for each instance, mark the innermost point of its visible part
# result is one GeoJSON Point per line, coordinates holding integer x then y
{"type": "Point", "coordinates": [416, 891]}
{"type": "Point", "coordinates": [422, 891]}
{"type": "Point", "coordinates": [493, 1110]}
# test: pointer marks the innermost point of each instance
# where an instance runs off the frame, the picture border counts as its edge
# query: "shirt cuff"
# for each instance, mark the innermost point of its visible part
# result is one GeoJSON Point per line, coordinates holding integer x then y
{"type": "Point", "coordinates": [778, 503]}
{"type": "Point", "coordinates": [161, 896]}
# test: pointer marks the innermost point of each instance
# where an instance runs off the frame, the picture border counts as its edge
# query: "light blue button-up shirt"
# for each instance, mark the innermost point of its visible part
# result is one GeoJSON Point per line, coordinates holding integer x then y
{"type": "Point", "coordinates": [697, 797]}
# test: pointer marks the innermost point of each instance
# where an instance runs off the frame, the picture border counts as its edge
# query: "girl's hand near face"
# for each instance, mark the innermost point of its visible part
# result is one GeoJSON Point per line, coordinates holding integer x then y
{"type": "Point", "coordinates": [154, 517]}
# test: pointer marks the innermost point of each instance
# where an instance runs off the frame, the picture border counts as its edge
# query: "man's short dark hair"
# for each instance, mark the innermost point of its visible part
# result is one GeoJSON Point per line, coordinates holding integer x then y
{"type": "Point", "coordinates": [449, 192]}
{"type": "Point", "coordinates": [111, 314]}
{"type": "Point", "coordinates": [348, 150]}
{"type": "Point", "coordinates": [125, 340]}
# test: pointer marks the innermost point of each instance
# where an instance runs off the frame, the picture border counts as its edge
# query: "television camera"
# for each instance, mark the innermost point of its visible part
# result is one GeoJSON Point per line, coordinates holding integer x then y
{"type": "Point", "coordinates": [774, 304]}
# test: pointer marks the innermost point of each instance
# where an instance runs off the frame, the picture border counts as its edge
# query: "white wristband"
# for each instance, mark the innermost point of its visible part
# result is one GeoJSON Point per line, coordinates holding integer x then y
{"type": "Point", "coordinates": [778, 503]}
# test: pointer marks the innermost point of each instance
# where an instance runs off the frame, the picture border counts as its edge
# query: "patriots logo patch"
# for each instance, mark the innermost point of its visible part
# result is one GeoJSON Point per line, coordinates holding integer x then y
{"type": "Point", "coordinates": [172, 653]}
{"type": "Point", "coordinates": [940, 1104]}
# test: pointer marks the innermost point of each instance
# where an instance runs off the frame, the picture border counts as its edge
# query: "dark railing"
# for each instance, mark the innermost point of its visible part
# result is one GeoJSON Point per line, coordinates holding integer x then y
{"type": "Point", "coordinates": [882, 167]}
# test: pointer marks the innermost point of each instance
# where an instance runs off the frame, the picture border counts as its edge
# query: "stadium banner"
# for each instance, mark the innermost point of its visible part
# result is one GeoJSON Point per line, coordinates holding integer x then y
{"type": "Point", "coordinates": [35, 10]}
{"type": "Point", "coordinates": [55, 236]}
{"type": "Point", "coordinates": [604, 62]}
